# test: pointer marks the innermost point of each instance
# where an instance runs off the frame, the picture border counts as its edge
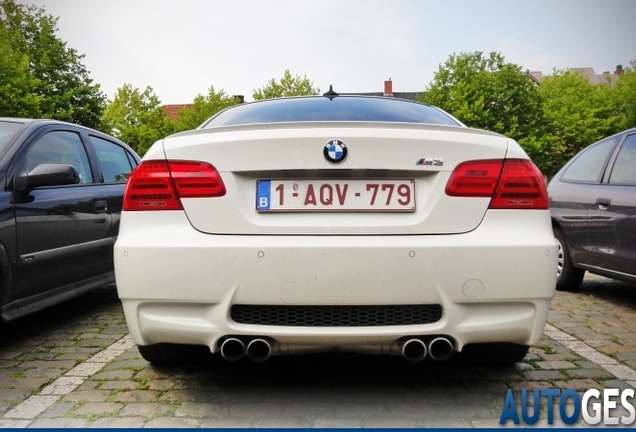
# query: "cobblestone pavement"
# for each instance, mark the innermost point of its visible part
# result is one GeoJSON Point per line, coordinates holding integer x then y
{"type": "Point", "coordinates": [74, 365]}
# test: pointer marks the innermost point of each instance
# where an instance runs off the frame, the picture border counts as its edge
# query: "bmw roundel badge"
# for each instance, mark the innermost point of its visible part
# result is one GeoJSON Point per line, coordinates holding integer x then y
{"type": "Point", "coordinates": [335, 151]}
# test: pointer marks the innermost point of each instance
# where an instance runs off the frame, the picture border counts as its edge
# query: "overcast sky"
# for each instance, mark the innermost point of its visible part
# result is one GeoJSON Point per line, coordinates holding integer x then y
{"type": "Point", "coordinates": [182, 47]}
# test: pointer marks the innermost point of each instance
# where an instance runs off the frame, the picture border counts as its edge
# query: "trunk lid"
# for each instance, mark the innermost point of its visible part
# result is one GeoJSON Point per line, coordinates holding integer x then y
{"type": "Point", "coordinates": [292, 155]}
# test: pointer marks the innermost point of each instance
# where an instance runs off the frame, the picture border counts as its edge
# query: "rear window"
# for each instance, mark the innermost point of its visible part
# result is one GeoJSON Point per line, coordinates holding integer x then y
{"type": "Point", "coordinates": [7, 131]}
{"type": "Point", "coordinates": [322, 109]}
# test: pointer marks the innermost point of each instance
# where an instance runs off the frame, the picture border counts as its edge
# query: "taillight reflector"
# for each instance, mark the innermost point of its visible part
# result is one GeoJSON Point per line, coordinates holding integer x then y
{"type": "Point", "coordinates": [159, 185]}
{"type": "Point", "coordinates": [511, 183]}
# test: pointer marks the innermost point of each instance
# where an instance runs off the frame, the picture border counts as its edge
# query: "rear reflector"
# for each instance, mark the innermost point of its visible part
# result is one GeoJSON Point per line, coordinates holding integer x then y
{"type": "Point", "coordinates": [511, 183]}
{"type": "Point", "coordinates": [159, 185]}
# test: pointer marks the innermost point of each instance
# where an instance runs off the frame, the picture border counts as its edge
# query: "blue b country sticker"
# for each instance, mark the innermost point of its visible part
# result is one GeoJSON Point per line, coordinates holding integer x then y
{"type": "Point", "coordinates": [263, 194]}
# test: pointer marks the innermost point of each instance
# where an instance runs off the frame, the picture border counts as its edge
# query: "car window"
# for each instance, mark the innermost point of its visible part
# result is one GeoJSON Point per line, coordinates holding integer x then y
{"type": "Point", "coordinates": [115, 163]}
{"type": "Point", "coordinates": [624, 172]}
{"type": "Point", "coordinates": [7, 132]}
{"type": "Point", "coordinates": [60, 147]}
{"type": "Point", "coordinates": [588, 166]}
{"type": "Point", "coordinates": [321, 109]}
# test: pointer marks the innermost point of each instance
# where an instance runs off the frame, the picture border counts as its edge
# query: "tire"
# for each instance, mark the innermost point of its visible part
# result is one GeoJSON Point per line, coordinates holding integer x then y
{"type": "Point", "coordinates": [494, 354]}
{"type": "Point", "coordinates": [173, 354]}
{"type": "Point", "coordinates": [569, 278]}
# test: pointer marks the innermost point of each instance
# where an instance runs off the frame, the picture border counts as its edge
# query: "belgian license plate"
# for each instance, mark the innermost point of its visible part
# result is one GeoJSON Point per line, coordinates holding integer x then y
{"type": "Point", "coordinates": [351, 195]}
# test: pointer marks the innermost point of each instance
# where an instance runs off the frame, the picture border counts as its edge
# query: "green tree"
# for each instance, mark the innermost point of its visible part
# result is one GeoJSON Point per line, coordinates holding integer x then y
{"type": "Point", "coordinates": [203, 108]}
{"type": "Point", "coordinates": [53, 73]}
{"type": "Point", "coordinates": [287, 86]}
{"type": "Point", "coordinates": [625, 93]}
{"type": "Point", "coordinates": [16, 82]}
{"type": "Point", "coordinates": [486, 92]}
{"type": "Point", "coordinates": [576, 114]}
{"type": "Point", "coordinates": [136, 118]}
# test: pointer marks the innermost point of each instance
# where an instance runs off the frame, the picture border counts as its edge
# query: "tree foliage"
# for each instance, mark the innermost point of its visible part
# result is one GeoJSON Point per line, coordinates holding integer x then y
{"type": "Point", "coordinates": [41, 76]}
{"type": "Point", "coordinates": [486, 92]}
{"type": "Point", "coordinates": [626, 96]}
{"type": "Point", "coordinates": [287, 86]}
{"type": "Point", "coordinates": [576, 113]}
{"type": "Point", "coordinates": [202, 109]}
{"type": "Point", "coordinates": [552, 121]}
{"type": "Point", "coordinates": [136, 118]}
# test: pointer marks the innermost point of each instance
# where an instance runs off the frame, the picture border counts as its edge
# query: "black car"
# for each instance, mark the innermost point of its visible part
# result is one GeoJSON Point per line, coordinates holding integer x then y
{"type": "Point", "coordinates": [593, 209]}
{"type": "Point", "coordinates": [62, 188]}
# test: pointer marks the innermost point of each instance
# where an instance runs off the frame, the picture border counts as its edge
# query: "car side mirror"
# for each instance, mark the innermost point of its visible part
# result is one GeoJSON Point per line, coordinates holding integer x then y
{"type": "Point", "coordinates": [46, 175]}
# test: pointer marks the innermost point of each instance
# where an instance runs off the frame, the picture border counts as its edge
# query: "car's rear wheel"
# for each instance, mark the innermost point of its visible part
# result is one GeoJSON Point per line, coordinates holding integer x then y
{"type": "Point", "coordinates": [165, 354]}
{"type": "Point", "coordinates": [569, 278]}
{"type": "Point", "coordinates": [495, 354]}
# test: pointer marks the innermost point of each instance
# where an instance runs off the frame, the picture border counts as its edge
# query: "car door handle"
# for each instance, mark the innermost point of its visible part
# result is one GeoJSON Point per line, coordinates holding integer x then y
{"type": "Point", "coordinates": [603, 203]}
{"type": "Point", "coordinates": [101, 206]}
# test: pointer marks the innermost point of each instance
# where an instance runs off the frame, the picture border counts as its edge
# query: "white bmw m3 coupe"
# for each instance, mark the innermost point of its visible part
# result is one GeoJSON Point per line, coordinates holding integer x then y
{"type": "Point", "coordinates": [335, 223]}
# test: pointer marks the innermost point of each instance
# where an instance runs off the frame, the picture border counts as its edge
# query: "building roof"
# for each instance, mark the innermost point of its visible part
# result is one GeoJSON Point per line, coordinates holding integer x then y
{"type": "Point", "coordinates": [172, 111]}
{"type": "Point", "coordinates": [588, 73]}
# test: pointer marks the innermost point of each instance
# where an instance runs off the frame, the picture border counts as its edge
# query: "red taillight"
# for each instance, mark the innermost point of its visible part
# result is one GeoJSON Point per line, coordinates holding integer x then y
{"type": "Point", "coordinates": [521, 187]}
{"type": "Point", "coordinates": [475, 178]}
{"type": "Point", "coordinates": [512, 183]}
{"type": "Point", "coordinates": [159, 185]}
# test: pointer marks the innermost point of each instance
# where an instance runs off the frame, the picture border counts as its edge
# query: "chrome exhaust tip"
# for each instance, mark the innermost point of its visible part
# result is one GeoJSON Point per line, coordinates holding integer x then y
{"type": "Point", "coordinates": [414, 350]}
{"type": "Point", "coordinates": [259, 350]}
{"type": "Point", "coordinates": [440, 349]}
{"type": "Point", "coordinates": [232, 349]}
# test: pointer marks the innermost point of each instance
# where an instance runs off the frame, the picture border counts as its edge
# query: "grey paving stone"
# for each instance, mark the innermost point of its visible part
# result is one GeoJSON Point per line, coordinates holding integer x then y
{"type": "Point", "coordinates": [185, 395]}
{"type": "Point", "coordinates": [99, 408]}
{"type": "Point", "coordinates": [538, 375]}
{"type": "Point", "coordinates": [136, 396]}
{"type": "Point", "coordinates": [589, 373]}
{"type": "Point", "coordinates": [171, 422]}
{"type": "Point", "coordinates": [59, 423]}
{"type": "Point", "coordinates": [150, 373]}
{"type": "Point", "coordinates": [120, 385]}
{"type": "Point", "coordinates": [99, 343]}
{"type": "Point", "coordinates": [118, 422]}
{"type": "Point", "coordinates": [126, 364]}
{"type": "Point", "coordinates": [50, 364]}
{"type": "Point", "coordinates": [22, 383]}
{"type": "Point", "coordinates": [114, 375]}
{"type": "Point", "coordinates": [145, 409]}
{"type": "Point", "coordinates": [225, 423]}
{"type": "Point", "coordinates": [58, 409]}
{"type": "Point", "coordinates": [14, 395]}
{"type": "Point", "coordinates": [284, 422]}
{"type": "Point", "coordinates": [87, 395]}
{"type": "Point", "coordinates": [165, 384]}
{"type": "Point", "coordinates": [73, 356]}
{"type": "Point", "coordinates": [555, 365]}
{"type": "Point", "coordinates": [202, 410]}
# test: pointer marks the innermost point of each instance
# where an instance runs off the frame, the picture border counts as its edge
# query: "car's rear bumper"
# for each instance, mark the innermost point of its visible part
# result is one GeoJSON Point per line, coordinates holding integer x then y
{"type": "Point", "coordinates": [177, 285]}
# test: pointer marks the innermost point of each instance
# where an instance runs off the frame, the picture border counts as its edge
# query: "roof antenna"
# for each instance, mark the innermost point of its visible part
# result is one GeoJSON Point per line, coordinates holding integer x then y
{"type": "Point", "coordinates": [331, 94]}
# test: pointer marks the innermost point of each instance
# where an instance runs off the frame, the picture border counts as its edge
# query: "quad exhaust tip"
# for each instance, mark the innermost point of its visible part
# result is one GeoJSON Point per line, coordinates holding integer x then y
{"type": "Point", "coordinates": [232, 349]}
{"type": "Point", "coordinates": [259, 350]}
{"type": "Point", "coordinates": [414, 350]}
{"type": "Point", "coordinates": [440, 349]}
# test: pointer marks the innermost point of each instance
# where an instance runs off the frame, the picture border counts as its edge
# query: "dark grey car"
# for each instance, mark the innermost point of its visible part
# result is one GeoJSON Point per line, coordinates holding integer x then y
{"type": "Point", "coordinates": [60, 200]}
{"type": "Point", "coordinates": [593, 209]}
